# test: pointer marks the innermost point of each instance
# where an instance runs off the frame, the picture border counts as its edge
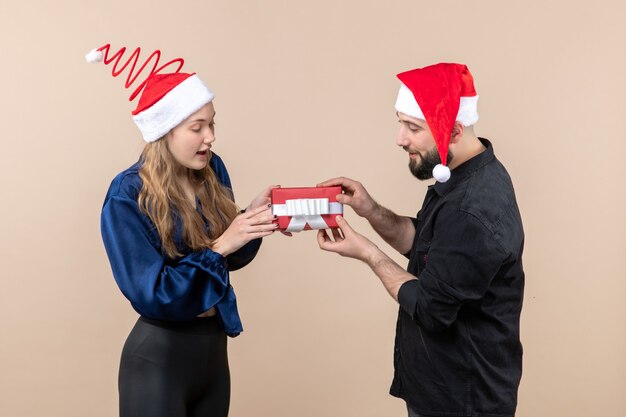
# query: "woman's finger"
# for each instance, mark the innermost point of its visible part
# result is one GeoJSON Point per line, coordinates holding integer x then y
{"type": "Point", "coordinates": [258, 235]}
{"type": "Point", "coordinates": [254, 212]}
{"type": "Point", "coordinates": [261, 218]}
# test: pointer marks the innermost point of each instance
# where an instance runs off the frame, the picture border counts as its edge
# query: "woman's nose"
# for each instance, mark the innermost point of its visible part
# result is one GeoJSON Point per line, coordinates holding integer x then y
{"type": "Point", "coordinates": [209, 137]}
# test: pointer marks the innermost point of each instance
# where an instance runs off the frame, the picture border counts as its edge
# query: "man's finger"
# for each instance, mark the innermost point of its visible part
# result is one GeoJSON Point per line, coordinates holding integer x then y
{"type": "Point", "coordinates": [336, 235]}
{"type": "Point", "coordinates": [344, 199]}
{"type": "Point", "coordinates": [343, 181]}
{"type": "Point", "coordinates": [344, 226]}
{"type": "Point", "coordinates": [331, 182]}
{"type": "Point", "coordinates": [322, 238]}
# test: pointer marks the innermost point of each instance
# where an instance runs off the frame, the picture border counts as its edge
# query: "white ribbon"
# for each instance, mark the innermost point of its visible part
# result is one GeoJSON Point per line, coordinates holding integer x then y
{"type": "Point", "coordinates": [305, 211]}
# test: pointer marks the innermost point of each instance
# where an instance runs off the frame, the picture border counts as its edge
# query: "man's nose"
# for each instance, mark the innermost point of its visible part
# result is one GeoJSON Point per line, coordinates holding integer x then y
{"type": "Point", "coordinates": [401, 139]}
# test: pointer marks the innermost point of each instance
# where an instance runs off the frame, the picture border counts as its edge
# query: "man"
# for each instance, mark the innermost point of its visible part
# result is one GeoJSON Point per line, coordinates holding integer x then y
{"type": "Point", "coordinates": [457, 347]}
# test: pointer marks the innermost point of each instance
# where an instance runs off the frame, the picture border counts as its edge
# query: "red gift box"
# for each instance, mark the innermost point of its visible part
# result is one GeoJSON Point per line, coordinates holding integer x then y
{"type": "Point", "coordinates": [306, 208]}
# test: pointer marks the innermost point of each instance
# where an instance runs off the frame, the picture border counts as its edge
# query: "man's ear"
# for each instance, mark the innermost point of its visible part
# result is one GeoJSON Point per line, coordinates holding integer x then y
{"type": "Point", "coordinates": [457, 132]}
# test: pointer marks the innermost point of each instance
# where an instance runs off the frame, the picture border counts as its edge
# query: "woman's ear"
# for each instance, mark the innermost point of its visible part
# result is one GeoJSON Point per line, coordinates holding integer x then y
{"type": "Point", "coordinates": [457, 132]}
{"type": "Point", "coordinates": [166, 140]}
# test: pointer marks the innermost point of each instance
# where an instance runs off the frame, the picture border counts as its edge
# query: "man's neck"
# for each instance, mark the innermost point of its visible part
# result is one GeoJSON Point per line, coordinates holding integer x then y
{"type": "Point", "coordinates": [467, 148]}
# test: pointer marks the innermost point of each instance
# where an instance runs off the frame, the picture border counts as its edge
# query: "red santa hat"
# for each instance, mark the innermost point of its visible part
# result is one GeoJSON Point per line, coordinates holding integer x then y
{"type": "Point", "coordinates": [441, 94]}
{"type": "Point", "coordinates": [166, 98]}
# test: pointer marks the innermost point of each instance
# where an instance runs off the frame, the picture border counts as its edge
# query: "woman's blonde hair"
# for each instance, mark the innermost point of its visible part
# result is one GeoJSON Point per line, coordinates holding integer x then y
{"type": "Point", "coordinates": [163, 200]}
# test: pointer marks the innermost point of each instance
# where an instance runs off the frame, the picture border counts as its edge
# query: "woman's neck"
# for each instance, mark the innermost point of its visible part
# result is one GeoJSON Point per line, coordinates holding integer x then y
{"type": "Point", "coordinates": [182, 178]}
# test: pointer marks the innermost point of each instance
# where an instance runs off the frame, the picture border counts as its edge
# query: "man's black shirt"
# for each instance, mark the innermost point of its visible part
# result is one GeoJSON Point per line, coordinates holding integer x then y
{"type": "Point", "coordinates": [457, 350]}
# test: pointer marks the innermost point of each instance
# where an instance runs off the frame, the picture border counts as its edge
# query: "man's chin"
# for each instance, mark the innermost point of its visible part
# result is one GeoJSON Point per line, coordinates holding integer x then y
{"type": "Point", "coordinates": [419, 172]}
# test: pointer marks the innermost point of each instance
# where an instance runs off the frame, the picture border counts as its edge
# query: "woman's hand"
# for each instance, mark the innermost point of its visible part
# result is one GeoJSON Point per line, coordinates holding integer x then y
{"type": "Point", "coordinates": [252, 224]}
{"type": "Point", "coordinates": [263, 199]}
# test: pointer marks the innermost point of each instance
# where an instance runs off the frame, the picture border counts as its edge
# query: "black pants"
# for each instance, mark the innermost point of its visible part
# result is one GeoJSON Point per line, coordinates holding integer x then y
{"type": "Point", "coordinates": [175, 370]}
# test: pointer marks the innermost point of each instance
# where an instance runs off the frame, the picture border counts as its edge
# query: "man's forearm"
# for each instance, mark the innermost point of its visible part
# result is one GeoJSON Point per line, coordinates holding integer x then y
{"type": "Point", "coordinates": [390, 273]}
{"type": "Point", "coordinates": [397, 231]}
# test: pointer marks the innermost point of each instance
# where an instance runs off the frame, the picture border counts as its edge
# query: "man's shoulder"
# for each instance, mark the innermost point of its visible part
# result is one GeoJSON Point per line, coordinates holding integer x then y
{"type": "Point", "coordinates": [489, 196]}
{"type": "Point", "coordinates": [486, 200]}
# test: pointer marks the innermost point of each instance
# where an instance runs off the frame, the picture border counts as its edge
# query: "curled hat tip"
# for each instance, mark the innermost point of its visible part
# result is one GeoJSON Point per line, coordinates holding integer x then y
{"type": "Point", "coordinates": [94, 56]}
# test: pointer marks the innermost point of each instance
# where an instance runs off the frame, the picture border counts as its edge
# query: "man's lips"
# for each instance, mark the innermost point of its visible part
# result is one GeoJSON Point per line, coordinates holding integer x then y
{"type": "Point", "coordinates": [413, 155]}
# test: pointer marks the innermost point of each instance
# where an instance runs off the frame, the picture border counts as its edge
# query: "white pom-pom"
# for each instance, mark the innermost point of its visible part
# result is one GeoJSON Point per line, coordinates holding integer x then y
{"type": "Point", "coordinates": [441, 173]}
{"type": "Point", "coordinates": [94, 56]}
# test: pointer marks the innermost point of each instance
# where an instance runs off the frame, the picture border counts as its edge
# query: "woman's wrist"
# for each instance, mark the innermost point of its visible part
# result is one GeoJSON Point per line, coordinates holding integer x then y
{"type": "Point", "coordinates": [220, 247]}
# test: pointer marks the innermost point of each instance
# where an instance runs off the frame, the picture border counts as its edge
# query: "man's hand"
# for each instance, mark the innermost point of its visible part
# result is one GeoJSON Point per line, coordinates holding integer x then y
{"type": "Point", "coordinates": [347, 242]}
{"type": "Point", "coordinates": [396, 230]}
{"type": "Point", "coordinates": [356, 196]}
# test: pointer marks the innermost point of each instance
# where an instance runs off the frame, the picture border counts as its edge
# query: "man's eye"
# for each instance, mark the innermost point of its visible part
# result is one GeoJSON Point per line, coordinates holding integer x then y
{"type": "Point", "coordinates": [410, 126]}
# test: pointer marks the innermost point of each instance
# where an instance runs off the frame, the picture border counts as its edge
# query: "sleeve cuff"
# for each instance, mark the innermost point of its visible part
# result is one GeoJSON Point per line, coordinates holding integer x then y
{"type": "Point", "coordinates": [244, 255]}
{"type": "Point", "coordinates": [407, 297]}
{"type": "Point", "coordinates": [213, 258]}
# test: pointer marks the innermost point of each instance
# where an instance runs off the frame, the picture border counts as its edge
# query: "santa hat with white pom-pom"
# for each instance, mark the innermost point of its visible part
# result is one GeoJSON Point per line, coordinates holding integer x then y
{"type": "Point", "coordinates": [166, 98]}
{"type": "Point", "coordinates": [441, 94]}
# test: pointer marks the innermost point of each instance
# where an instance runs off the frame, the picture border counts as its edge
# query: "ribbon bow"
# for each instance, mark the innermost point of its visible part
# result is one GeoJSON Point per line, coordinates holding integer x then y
{"type": "Point", "coordinates": [305, 211]}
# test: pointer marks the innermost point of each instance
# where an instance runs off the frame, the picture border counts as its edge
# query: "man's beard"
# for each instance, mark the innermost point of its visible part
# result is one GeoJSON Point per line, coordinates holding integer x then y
{"type": "Point", "coordinates": [422, 168]}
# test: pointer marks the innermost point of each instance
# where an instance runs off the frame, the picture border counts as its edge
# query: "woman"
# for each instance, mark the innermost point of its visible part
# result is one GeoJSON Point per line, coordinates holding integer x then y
{"type": "Point", "coordinates": [172, 233]}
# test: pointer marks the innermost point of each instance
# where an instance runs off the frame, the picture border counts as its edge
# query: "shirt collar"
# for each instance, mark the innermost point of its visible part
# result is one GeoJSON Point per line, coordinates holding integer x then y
{"type": "Point", "coordinates": [459, 173]}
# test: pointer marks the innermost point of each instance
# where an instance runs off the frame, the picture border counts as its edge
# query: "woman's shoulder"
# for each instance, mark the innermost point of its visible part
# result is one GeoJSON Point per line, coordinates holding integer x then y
{"type": "Point", "coordinates": [126, 184]}
{"type": "Point", "coordinates": [217, 164]}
